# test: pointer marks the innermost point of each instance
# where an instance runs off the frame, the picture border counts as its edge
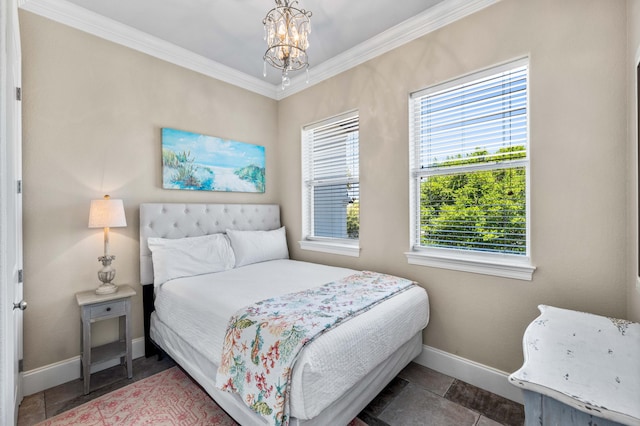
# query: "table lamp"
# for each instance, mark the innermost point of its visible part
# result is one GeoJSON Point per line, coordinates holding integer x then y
{"type": "Point", "coordinates": [106, 213]}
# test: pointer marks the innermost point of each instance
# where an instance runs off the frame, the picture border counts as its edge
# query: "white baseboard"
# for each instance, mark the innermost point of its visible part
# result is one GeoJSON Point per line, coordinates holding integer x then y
{"type": "Point", "coordinates": [471, 372]}
{"type": "Point", "coordinates": [39, 379]}
{"type": "Point", "coordinates": [468, 371]}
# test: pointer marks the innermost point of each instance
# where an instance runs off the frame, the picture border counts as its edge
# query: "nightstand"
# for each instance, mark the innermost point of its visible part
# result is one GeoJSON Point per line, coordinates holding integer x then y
{"type": "Point", "coordinates": [96, 307]}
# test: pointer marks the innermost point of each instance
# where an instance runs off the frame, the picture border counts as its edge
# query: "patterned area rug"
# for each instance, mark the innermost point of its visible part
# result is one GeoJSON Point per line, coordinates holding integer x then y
{"type": "Point", "coordinates": [166, 398]}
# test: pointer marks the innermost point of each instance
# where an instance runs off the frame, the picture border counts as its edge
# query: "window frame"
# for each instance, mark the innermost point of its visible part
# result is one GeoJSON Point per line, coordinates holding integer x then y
{"type": "Point", "coordinates": [474, 261]}
{"type": "Point", "coordinates": [339, 246]}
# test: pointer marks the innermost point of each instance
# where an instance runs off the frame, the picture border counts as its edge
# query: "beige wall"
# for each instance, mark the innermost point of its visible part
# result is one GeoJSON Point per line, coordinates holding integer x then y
{"type": "Point", "coordinates": [93, 111]}
{"type": "Point", "coordinates": [578, 140]}
{"type": "Point", "coordinates": [633, 58]}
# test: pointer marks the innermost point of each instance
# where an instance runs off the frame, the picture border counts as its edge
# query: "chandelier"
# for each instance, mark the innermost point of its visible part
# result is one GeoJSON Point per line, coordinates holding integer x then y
{"type": "Point", "coordinates": [286, 30]}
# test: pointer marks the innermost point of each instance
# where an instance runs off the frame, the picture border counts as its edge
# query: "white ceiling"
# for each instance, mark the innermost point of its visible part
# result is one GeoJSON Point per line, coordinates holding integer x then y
{"type": "Point", "coordinates": [228, 34]}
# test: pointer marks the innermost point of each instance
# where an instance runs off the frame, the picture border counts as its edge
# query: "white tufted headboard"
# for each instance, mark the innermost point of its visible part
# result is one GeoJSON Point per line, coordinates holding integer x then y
{"type": "Point", "coordinates": [173, 220]}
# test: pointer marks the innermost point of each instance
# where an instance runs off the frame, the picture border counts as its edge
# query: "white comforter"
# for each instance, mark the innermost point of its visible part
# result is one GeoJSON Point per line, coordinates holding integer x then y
{"type": "Point", "coordinates": [198, 309]}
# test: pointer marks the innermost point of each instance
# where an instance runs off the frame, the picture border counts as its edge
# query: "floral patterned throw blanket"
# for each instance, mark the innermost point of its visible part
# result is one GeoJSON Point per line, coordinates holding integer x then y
{"type": "Point", "coordinates": [263, 340]}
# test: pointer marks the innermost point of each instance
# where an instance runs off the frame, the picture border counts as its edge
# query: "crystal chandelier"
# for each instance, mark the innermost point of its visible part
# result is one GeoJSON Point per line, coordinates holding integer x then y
{"type": "Point", "coordinates": [286, 30]}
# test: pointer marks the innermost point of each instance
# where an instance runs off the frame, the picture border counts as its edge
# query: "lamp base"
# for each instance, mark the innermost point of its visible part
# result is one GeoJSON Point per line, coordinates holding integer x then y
{"type": "Point", "coordinates": [106, 275]}
{"type": "Point", "coordinates": [107, 288]}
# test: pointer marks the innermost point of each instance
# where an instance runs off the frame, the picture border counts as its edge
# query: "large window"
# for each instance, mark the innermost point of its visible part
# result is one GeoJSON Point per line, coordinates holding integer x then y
{"type": "Point", "coordinates": [331, 185]}
{"type": "Point", "coordinates": [469, 183]}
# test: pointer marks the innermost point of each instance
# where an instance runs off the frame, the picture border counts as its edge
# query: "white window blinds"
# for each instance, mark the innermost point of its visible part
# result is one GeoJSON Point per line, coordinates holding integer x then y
{"type": "Point", "coordinates": [469, 163]}
{"type": "Point", "coordinates": [331, 188]}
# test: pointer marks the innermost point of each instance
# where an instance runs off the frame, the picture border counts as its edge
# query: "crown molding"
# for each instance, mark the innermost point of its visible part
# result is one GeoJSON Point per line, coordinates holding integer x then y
{"type": "Point", "coordinates": [85, 20]}
{"type": "Point", "coordinates": [438, 16]}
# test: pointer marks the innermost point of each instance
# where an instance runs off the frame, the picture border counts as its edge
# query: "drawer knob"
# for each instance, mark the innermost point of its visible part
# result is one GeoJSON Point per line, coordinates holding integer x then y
{"type": "Point", "coordinates": [108, 309]}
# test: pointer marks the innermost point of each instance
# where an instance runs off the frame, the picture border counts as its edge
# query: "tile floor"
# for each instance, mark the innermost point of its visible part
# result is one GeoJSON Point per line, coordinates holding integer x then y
{"type": "Point", "coordinates": [417, 396]}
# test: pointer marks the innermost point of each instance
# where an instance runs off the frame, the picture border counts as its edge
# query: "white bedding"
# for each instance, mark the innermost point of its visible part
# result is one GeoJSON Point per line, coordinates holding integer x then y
{"type": "Point", "coordinates": [198, 309]}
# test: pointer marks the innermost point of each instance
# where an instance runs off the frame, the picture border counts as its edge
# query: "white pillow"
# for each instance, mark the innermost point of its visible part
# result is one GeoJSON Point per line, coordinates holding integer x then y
{"type": "Point", "coordinates": [258, 246]}
{"type": "Point", "coordinates": [185, 257]}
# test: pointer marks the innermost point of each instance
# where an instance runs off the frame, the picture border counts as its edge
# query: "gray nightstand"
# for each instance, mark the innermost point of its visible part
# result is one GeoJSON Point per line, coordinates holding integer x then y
{"type": "Point", "coordinates": [95, 307]}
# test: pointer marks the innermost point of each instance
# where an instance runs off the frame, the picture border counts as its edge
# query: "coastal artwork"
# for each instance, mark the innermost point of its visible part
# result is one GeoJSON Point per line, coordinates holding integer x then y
{"type": "Point", "coordinates": [207, 163]}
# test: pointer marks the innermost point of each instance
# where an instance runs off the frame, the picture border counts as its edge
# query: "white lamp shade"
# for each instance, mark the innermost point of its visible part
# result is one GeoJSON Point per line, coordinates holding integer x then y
{"type": "Point", "coordinates": [107, 213]}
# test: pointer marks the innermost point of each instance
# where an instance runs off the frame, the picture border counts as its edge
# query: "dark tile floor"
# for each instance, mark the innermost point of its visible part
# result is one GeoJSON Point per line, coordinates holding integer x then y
{"type": "Point", "coordinates": [417, 396]}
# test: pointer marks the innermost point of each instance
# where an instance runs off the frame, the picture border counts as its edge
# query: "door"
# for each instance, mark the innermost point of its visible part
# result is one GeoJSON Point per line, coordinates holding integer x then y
{"type": "Point", "coordinates": [10, 213]}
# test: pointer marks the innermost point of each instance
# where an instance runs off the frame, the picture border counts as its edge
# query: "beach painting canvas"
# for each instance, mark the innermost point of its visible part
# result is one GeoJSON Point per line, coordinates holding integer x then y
{"type": "Point", "coordinates": [208, 163]}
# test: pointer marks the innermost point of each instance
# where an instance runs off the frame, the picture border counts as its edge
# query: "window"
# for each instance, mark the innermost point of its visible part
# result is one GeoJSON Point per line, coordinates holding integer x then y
{"type": "Point", "coordinates": [469, 184]}
{"type": "Point", "coordinates": [331, 186]}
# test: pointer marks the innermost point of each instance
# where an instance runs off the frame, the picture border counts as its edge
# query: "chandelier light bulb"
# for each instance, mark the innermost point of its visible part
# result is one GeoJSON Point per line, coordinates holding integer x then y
{"type": "Point", "coordinates": [282, 30]}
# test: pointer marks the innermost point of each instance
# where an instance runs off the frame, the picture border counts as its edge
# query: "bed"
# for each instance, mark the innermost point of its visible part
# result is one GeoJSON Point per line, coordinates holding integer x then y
{"type": "Point", "coordinates": [335, 376]}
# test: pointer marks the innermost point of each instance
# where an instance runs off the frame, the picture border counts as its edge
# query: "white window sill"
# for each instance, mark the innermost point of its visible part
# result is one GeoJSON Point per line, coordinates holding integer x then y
{"type": "Point", "coordinates": [516, 267]}
{"type": "Point", "coordinates": [332, 247]}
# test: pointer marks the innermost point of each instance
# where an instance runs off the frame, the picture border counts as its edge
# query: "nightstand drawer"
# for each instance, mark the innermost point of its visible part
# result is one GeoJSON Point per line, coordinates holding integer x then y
{"type": "Point", "coordinates": [115, 308]}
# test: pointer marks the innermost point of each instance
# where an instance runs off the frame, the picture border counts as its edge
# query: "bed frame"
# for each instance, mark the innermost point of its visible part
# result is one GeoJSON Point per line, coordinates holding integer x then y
{"type": "Point", "coordinates": [169, 220]}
